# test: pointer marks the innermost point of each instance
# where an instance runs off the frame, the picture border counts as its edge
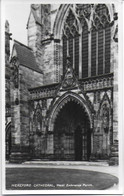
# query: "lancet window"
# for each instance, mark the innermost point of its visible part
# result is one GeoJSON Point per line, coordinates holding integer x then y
{"type": "Point", "coordinates": [71, 42]}
{"type": "Point", "coordinates": [85, 51]}
{"type": "Point", "coordinates": [89, 47]}
{"type": "Point", "coordinates": [100, 41]}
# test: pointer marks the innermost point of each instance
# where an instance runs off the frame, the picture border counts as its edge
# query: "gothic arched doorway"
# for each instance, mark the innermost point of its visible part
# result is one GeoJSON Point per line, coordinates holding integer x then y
{"type": "Point", "coordinates": [72, 138]}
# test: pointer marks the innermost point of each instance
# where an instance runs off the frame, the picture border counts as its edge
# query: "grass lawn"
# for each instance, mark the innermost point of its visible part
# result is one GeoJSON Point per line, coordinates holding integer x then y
{"type": "Point", "coordinates": [55, 179]}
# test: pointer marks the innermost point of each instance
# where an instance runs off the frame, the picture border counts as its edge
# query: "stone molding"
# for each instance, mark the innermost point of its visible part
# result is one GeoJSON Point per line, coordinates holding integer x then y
{"type": "Point", "coordinates": [63, 12]}
{"type": "Point", "coordinates": [98, 83]}
{"type": "Point", "coordinates": [90, 84]}
{"type": "Point", "coordinates": [61, 102]}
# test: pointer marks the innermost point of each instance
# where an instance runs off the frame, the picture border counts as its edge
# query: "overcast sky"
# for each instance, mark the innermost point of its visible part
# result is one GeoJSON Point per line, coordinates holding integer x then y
{"type": "Point", "coordinates": [17, 16]}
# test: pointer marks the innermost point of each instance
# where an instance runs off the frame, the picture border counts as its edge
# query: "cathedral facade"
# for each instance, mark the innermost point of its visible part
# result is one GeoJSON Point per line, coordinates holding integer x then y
{"type": "Point", "coordinates": [62, 88]}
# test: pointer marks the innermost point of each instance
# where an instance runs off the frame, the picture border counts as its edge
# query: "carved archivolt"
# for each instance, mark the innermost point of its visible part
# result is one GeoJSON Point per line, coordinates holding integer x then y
{"type": "Point", "coordinates": [69, 96]}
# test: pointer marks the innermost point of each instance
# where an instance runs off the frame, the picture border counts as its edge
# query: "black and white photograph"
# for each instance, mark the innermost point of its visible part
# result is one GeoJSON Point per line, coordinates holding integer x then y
{"type": "Point", "coordinates": [61, 72]}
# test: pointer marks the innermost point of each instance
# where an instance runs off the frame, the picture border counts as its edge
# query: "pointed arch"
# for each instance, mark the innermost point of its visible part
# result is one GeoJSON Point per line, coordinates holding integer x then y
{"type": "Point", "coordinates": [105, 98]}
{"type": "Point", "coordinates": [61, 18]}
{"type": "Point", "coordinates": [102, 38]}
{"type": "Point", "coordinates": [70, 39]}
{"type": "Point", "coordinates": [63, 12]}
{"type": "Point", "coordinates": [91, 40]}
{"type": "Point", "coordinates": [111, 10]}
{"type": "Point", "coordinates": [61, 102]}
{"type": "Point", "coordinates": [37, 118]}
{"type": "Point", "coordinates": [37, 109]}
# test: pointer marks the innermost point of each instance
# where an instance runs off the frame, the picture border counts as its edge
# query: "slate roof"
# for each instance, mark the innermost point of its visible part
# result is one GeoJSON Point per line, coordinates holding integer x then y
{"type": "Point", "coordinates": [26, 57]}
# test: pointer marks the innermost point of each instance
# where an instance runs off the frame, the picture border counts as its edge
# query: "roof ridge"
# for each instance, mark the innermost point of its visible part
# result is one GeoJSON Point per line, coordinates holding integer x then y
{"type": "Point", "coordinates": [23, 45]}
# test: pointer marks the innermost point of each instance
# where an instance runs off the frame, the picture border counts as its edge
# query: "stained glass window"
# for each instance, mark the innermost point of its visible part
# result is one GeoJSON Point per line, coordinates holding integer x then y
{"type": "Point", "coordinates": [100, 51]}
{"type": "Point", "coordinates": [91, 45]}
{"type": "Point", "coordinates": [71, 42]}
{"type": "Point", "coordinates": [71, 49]}
{"type": "Point", "coordinates": [85, 52]}
{"type": "Point", "coordinates": [93, 51]}
{"type": "Point", "coordinates": [104, 34]}
{"type": "Point", "coordinates": [64, 53]}
{"type": "Point", "coordinates": [77, 54]}
{"type": "Point", "coordinates": [107, 48]}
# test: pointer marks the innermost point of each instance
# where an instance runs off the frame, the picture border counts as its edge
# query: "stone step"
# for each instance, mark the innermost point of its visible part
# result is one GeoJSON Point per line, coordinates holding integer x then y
{"type": "Point", "coordinates": [66, 163]}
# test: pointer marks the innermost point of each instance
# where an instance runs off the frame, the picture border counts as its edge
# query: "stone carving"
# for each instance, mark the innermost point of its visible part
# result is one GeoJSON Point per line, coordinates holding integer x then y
{"type": "Point", "coordinates": [97, 15]}
{"type": "Point", "coordinates": [44, 104]}
{"type": "Point", "coordinates": [102, 13]}
{"type": "Point", "coordinates": [99, 83]}
{"type": "Point", "coordinates": [83, 10]}
{"type": "Point", "coordinates": [96, 97]}
{"type": "Point", "coordinates": [43, 92]}
{"type": "Point", "coordinates": [105, 115]}
{"type": "Point", "coordinates": [37, 119]}
{"type": "Point", "coordinates": [15, 71]}
{"type": "Point", "coordinates": [69, 80]}
{"type": "Point", "coordinates": [71, 25]}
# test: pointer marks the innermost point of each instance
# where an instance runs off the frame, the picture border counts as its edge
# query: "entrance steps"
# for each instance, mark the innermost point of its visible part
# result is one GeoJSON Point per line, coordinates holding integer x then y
{"type": "Point", "coordinates": [66, 163]}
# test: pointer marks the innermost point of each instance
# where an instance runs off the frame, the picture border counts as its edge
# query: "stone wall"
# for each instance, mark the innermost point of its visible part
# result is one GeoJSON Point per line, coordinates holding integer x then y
{"type": "Point", "coordinates": [34, 40]}
{"type": "Point", "coordinates": [39, 29]}
{"type": "Point", "coordinates": [15, 113]}
{"type": "Point", "coordinates": [40, 32]}
{"type": "Point", "coordinates": [20, 111]}
{"type": "Point", "coordinates": [28, 79]}
{"type": "Point", "coordinates": [48, 59]}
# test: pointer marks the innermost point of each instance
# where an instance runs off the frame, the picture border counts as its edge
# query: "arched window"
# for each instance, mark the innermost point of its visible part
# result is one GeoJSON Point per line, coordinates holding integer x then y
{"type": "Point", "coordinates": [70, 47]}
{"type": "Point", "coordinates": [85, 51]}
{"type": "Point", "coordinates": [64, 52]}
{"type": "Point", "coordinates": [89, 51]}
{"type": "Point", "coordinates": [77, 54]}
{"type": "Point", "coordinates": [83, 11]}
{"type": "Point", "coordinates": [100, 41]}
{"type": "Point", "coordinates": [100, 49]}
{"type": "Point", "coordinates": [107, 46]}
{"type": "Point", "coordinates": [71, 42]}
{"type": "Point", "coordinates": [93, 51]}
